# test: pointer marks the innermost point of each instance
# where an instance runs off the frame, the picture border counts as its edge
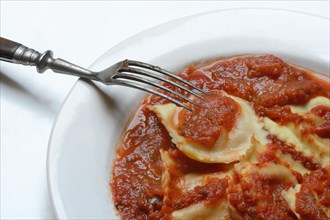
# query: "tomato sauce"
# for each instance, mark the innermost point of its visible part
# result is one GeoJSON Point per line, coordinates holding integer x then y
{"type": "Point", "coordinates": [213, 190]}
{"type": "Point", "coordinates": [323, 130]}
{"type": "Point", "coordinates": [315, 189]}
{"type": "Point", "coordinates": [277, 144]}
{"type": "Point", "coordinates": [259, 197]}
{"type": "Point", "coordinates": [205, 125]}
{"type": "Point", "coordinates": [269, 84]}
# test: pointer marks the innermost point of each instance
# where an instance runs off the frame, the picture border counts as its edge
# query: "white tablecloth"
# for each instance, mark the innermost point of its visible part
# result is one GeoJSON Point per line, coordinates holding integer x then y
{"type": "Point", "coordinates": [79, 31]}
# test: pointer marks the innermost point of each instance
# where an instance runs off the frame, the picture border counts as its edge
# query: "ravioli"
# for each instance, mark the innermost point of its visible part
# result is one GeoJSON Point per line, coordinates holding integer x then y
{"type": "Point", "coordinates": [250, 146]}
{"type": "Point", "coordinates": [202, 209]}
{"type": "Point", "coordinates": [258, 148]}
{"type": "Point", "coordinates": [230, 146]}
{"type": "Point", "coordinates": [290, 198]}
{"type": "Point", "coordinates": [295, 135]}
{"type": "Point", "coordinates": [303, 109]}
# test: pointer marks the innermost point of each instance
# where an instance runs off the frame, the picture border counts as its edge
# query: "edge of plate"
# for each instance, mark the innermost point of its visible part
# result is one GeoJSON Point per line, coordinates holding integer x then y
{"type": "Point", "coordinates": [59, 211]}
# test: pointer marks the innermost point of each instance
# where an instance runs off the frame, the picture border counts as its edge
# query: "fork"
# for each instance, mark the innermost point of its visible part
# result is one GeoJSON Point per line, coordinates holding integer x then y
{"type": "Point", "coordinates": [128, 73]}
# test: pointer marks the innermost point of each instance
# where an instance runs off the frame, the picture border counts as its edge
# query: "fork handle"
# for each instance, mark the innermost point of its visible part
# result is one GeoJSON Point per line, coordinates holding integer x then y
{"type": "Point", "coordinates": [7, 49]}
{"type": "Point", "coordinates": [14, 52]}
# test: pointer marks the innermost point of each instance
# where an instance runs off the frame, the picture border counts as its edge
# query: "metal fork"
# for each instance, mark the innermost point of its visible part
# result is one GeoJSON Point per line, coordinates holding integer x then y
{"type": "Point", "coordinates": [128, 73]}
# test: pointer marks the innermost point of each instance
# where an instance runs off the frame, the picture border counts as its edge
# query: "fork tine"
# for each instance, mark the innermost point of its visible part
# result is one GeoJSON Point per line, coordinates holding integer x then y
{"type": "Point", "coordinates": [152, 83]}
{"type": "Point", "coordinates": [135, 85]}
{"type": "Point", "coordinates": [146, 73]}
{"type": "Point", "coordinates": [163, 71]}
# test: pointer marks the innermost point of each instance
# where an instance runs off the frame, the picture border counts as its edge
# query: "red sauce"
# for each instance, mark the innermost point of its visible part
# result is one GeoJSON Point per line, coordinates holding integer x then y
{"type": "Point", "coordinates": [205, 125]}
{"type": "Point", "coordinates": [137, 171]}
{"type": "Point", "coordinates": [260, 200]}
{"type": "Point", "coordinates": [277, 144]}
{"type": "Point", "coordinates": [316, 184]}
{"type": "Point", "coordinates": [322, 130]}
{"type": "Point", "coordinates": [212, 191]}
{"type": "Point", "coordinates": [268, 83]}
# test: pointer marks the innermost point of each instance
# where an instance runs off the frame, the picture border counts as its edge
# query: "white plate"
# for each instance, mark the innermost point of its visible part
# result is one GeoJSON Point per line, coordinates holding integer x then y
{"type": "Point", "coordinates": [83, 141]}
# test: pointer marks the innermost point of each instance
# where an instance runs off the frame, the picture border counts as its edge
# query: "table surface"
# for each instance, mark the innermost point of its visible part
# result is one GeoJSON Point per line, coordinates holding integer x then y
{"type": "Point", "coordinates": [79, 31]}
